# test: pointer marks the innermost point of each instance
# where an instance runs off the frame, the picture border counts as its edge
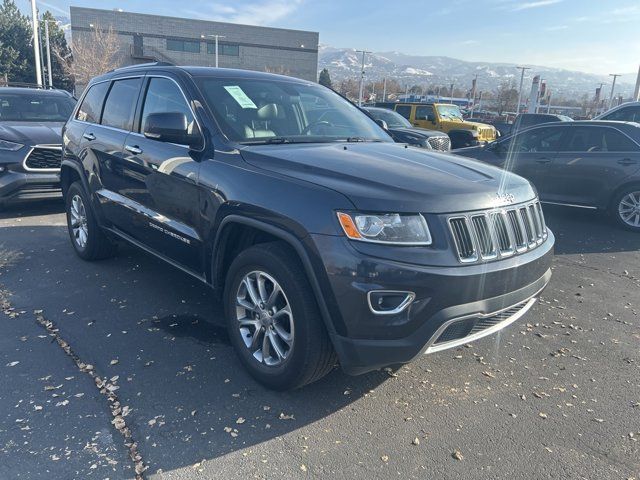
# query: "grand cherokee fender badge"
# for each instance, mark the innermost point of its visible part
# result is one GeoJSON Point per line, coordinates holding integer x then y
{"type": "Point", "coordinates": [170, 233]}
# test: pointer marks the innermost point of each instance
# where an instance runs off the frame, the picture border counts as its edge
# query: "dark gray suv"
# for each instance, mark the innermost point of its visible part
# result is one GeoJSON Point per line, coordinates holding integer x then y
{"type": "Point", "coordinates": [587, 164]}
{"type": "Point", "coordinates": [31, 122]}
{"type": "Point", "coordinates": [327, 241]}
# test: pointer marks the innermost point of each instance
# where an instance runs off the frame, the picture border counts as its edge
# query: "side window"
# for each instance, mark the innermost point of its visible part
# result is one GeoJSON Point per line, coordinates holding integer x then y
{"type": "Point", "coordinates": [404, 110]}
{"type": "Point", "coordinates": [422, 113]}
{"type": "Point", "coordinates": [163, 95]}
{"type": "Point", "coordinates": [627, 114]}
{"type": "Point", "coordinates": [538, 140]}
{"type": "Point", "coordinates": [91, 105]}
{"type": "Point", "coordinates": [585, 139]}
{"type": "Point", "coordinates": [121, 103]}
{"type": "Point", "coordinates": [615, 141]}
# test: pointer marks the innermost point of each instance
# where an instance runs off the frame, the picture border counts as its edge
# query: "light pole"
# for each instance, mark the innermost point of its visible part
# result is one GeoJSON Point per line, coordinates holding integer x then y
{"type": "Point", "coordinates": [613, 85]}
{"type": "Point", "coordinates": [364, 52]}
{"type": "Point", "coordinates": [216, 37]}
{"type": "Point", "coordinates": [46, 36]}
{"type": "Point", "coordinates": [520, 90]}
{"type": "Point", "coordinates": [36, 42]}
{"type": "Point", "coordinates": [384, 90]}
{"type": "Point", "coordinates": [451, 94]}
{"type": "Point", "coordinates": [473, 93]}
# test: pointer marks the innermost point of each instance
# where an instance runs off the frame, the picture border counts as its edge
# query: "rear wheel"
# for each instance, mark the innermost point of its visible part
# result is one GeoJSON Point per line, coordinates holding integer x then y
{"type": "Point", "coordinates": [87, 238]}
{"type": "Point", "coordinates": [273, 319]}
{"type": "Point", "coordinates": [626, 208]}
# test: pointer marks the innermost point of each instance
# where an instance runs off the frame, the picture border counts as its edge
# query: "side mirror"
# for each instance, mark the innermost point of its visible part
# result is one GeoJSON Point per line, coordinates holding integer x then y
{"type": "Point", "coordinates": [431, 118]}
{"type": "Point", "coordinates": [382, 124]}
{"type": "Point", "coordinates": [169, 127]}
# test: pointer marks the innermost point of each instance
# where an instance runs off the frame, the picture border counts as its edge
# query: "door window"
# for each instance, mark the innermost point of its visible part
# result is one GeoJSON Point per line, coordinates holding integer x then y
{"type": "Point", "coordinates": [424, 113]}
{"type": "Point", "coordinates": [89, 110]}
{"type": "Point", "coordinates": [121, 103]}
{"type": "Point", "coordinates": [597, 139]}
{"type": "Point", "coordinates": [627, 114]}
{"type": "Point", "coordinates": [163, 95]}
{"type": "Point", "coordinates": [538, 140]}
{"type": "Point", "coordinates": [404, 110]}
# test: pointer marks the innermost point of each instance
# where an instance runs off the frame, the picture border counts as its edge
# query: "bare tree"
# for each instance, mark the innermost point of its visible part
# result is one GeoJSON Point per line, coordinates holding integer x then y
{"type": "Point", "coordinates": [506, 97]}
{"type": "Point", "coordinates": [92, 53]}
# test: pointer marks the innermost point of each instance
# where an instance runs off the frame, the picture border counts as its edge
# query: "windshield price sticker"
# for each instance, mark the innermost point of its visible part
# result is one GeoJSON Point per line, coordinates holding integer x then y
{"type": "Point", "coordinates": [239, 96]}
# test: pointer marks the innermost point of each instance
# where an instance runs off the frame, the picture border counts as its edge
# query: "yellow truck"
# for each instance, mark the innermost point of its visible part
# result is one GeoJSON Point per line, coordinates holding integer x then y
{"type": "Point", "coordinates": [445, 117]}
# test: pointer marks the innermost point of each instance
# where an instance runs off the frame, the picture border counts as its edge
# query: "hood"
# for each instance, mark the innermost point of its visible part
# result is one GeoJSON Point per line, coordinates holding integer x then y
{"type": "Point", "coordinates": [389, 177]}
{"type": "Point", "coordinates": [32, 133]}
{"type": "Point", "coordinates": [417, 132]}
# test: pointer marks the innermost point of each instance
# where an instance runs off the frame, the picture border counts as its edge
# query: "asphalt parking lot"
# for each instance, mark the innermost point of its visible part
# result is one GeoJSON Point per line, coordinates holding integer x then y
{"type": "Point", "coordinates": [102, 362]}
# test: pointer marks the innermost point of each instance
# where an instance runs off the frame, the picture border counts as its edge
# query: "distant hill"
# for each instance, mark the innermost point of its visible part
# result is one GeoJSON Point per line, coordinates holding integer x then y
{"type": "Point", "coordinates": [433, 70]}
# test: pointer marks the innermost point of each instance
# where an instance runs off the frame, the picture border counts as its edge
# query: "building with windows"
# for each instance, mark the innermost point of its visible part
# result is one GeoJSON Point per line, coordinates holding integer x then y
{"type": "Point", "coordinates": [182, 41]}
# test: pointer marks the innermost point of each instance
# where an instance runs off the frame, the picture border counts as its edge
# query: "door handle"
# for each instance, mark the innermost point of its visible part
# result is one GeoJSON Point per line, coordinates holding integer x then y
{"type": "Point", "coordinates": [543, 160]}
{"type": "Point", "coordinates": [627, 161]}
{"type": "Point", "coordinates": [133, 149]}
{"type": "Point", "coordinates": [89, 136]}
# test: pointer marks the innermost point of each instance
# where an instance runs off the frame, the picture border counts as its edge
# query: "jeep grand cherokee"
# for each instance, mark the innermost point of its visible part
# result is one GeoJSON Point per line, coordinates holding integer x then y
{"type": "Point", "coordinates": [326, 240]}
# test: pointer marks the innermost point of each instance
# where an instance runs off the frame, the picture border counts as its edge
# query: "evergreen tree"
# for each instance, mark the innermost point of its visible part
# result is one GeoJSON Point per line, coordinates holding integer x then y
{"type": "Point", "coordinates": [325, 78]}
{"type": "Point", "coordinates": [59, 49]}
{"type": "Point", "coordinates": [16, 50]}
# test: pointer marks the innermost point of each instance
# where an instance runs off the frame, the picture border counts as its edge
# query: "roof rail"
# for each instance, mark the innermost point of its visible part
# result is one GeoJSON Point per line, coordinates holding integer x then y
{"type": "Point", "coordinates": [149, 64]}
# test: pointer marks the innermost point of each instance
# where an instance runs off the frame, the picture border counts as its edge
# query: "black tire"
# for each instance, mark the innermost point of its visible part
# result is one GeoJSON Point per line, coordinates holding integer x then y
{"type": "Point", "coordinates": [311, 355]}
{"type": "Point", "coordinates": [616, 206]}
{"type": "Point", "coordinates": [97, 245]}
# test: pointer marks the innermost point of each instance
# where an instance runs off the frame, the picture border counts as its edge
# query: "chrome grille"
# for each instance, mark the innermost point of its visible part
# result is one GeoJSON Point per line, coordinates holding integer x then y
{"type": "Point", "coordinates": [498, 233]}
{"type": "Point", "coordinates": [43, 158]}
{"type": "Point", "coordinates": [441, 143]}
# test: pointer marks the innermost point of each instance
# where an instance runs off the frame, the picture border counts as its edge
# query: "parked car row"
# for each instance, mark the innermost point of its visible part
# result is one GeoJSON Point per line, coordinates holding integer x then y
{"type": "Point", "coordinates": [31, 121]}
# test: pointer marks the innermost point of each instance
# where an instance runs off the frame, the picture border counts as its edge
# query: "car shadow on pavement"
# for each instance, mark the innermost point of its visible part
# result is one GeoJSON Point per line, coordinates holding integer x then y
{"type": "Point", "coordinates": [587, 231]}
{"type": "Point", "coordinates": [156, 333]}
{"type": "Point", "coordinates": [32, 209]}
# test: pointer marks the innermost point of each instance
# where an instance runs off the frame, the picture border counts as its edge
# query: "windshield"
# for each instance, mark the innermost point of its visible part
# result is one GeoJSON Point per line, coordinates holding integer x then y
{"type": "Point", "coordinates": [35, 108]}
{"type": "Point", "coordinates": [393, 119]}
{"type": "Point", "coordinates": [449, 112]}
{"type": "Point", "coordinates": [251, 111]}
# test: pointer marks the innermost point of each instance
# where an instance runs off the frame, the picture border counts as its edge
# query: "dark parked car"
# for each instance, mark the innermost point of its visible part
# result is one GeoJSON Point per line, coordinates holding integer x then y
{"type": "Point", "coordinates": [589, 164]}
{"type": "Point", "coordinates": [526, 120]}
{"type": "Point", "coordinates": [627, 112]}
{"type": "Point", "coordinates": [326, 241]}
{"type": "Point", "coordinates": [403, 132]}
{"type": "Point", "coordinates": [30, 141]}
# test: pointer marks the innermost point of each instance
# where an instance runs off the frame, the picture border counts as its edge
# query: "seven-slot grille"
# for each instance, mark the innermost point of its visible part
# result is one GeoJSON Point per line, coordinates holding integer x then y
{"type": "Point", "coordinates": [43, 158]}
{"type": "Point", "coordinates": [441, 143]}
{"type": "Point", "coordinates": [498, 233]}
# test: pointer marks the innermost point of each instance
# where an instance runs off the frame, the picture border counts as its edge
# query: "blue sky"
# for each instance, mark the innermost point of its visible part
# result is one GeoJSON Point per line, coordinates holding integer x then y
{"type": "Point", "coordinates": [598, 36]}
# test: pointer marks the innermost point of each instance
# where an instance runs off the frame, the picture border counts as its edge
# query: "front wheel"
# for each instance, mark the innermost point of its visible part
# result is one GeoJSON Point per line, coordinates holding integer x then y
{"type": "Point", "coordinates": [87, 238]}
{"type": "Point", "coordinates": [273, 319]}
{"type": "Point", "coordinates": [625, 208]}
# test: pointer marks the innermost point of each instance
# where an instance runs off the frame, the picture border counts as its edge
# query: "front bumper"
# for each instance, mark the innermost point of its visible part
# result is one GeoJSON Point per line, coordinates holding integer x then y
{"type": "Point", "coordinates": [18, 186]}
{"type": "Point", "coordinates": [466, 296]}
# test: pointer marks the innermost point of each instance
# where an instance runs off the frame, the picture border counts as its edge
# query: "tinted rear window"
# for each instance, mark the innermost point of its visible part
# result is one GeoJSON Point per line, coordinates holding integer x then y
{"type": "Point", "coordinates": [121, 103]}
{"type": "Point", "coordinates": [30, 107]}
{"type": "Point", "coordinates": [91, 105]}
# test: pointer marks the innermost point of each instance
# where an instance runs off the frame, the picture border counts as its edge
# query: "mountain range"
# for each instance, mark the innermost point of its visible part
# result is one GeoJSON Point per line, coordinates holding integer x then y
{"type": "Point", "coordinates": [345, 63]}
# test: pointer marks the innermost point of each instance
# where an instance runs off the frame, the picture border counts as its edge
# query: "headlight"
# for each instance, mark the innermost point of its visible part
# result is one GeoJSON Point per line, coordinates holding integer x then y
{"type": "Point", "coordinates": [390, 228]}
{"type": "Point", "coordinates": [11, 146]}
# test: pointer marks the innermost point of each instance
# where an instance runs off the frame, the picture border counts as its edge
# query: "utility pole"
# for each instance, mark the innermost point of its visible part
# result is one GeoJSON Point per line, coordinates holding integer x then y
{"type": "Point", "coordinates": [364, 52]}
{"type": "Point", "coordinates": [216, 38]}
{"type": "Point", "coordinates": [520, 89]}
{"type": "Point", "coordinates": [451, 94]}
{"type": "Point", "coordinates": [613, 85]}
{"type": "Point", "coordinates": [384, 89]}
{"type": "Point", "coordinates": [473, 93]}
{"type": "Point", "coordinates": [36, 42]}
{"type": "Point", "coordinates": [46, 35]}
{"type": "Point", "coordinates": [636, 92]}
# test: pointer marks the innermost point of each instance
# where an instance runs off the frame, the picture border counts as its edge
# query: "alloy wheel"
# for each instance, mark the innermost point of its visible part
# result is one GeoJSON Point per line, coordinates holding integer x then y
{"type": "Point", "coordinates": [264, 317]}
{"type": "Point", "coordinates": [629, 209]}
{"type": "Point", "coordinates": [78, 219]}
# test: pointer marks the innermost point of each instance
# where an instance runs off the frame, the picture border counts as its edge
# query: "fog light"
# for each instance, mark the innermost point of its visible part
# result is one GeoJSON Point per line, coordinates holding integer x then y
{"type": "Point", "coordinates": [389, 302]}
{"type": "Point", "coordinates": [2, 168]}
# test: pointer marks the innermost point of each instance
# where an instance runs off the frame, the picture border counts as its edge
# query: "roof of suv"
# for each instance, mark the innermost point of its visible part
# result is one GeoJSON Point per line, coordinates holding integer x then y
{"type": "Point", "coordinates": [33, 91]}
{"type": "Point", "coordinates": [200, 71]}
